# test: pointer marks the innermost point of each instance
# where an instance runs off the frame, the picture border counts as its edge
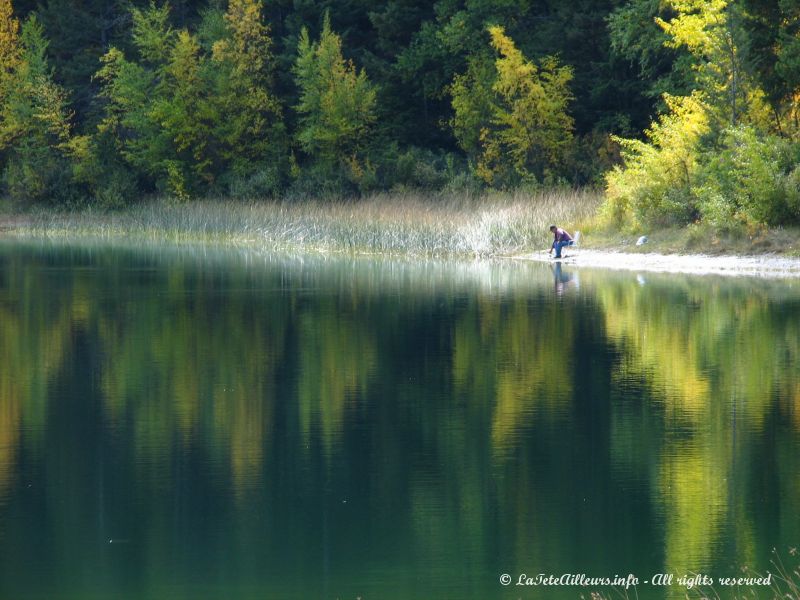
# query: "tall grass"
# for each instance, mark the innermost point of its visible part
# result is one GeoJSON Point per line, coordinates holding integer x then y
{"type": "Point", "coordinates": [785, 584]}
{"type": "Point", "coordinates": [488, 225]}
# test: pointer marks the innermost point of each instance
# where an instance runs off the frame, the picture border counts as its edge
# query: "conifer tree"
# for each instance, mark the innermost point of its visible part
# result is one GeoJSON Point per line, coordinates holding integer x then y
{"type": "Point", "coordinates": [337, 102]}
{"type": "Point", "coordinates": [132, 90]}
{"type": "Point", "coordinates": [511, 117]}
{"type": "Point", "coordinates": [9, 38]}
{"type": "Point", "coordinates": [181, 110]}
{"type": "Point", "coordinates": [155, 108]}
{"type": "Point", "coordinates": [248, 130]}
{"type": "Point", "coordinates": [34, 122]}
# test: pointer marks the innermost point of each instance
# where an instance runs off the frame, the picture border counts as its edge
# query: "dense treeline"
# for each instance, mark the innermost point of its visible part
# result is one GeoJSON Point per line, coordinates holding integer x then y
{"type": "Point", "coordinates": [724, 148]}
{"type": "Point", "coordinates": [684, 109]}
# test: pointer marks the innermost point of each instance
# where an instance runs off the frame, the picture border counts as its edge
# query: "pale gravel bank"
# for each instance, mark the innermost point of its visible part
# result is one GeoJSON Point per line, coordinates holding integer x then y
{"type": "Point", "coordinates": [767, 265]}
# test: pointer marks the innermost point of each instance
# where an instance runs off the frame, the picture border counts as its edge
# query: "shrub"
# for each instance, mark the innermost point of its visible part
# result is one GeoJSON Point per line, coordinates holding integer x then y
{"type": "Point", "coordinates": [750, 180]}
{"type": "Point", "coordinates": [40, 175]}
{"type": "Point", "coordinates": [414, 168]}
{"type": "Point", "coordinates": [263, 183]}
{"type": "Point", "coordinates": [655, 185]}
{"type": "Point", "coordinates": [319, 183]}
{"type": "Point", "coordinates": [119, 187]}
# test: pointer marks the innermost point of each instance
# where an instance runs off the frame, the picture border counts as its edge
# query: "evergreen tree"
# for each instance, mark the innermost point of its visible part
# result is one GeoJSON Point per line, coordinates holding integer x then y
{"type": "Point", "coordinates": [513, 118]}
{"type": "Point", "coordinates": [79, 34]}
{"type": "Point", "coordinates": [9, 39]}
{"type": "Point", "coordinates": [337, 104]}
{"type": "Point", "coordinates": [442, 48]}
{"type": "Point", "coordinates": [636, 36]}
{"type": "Point", "coordinates": [35, 132]}
{"type": "Point", "coordinates": [130, 91]}
{"type": "Point", "coordinates": [182, 111]}
{"type": "Point", "coordinates": [773, 29]}
{"type": "Point", "coordinates": [155, 111]}
{"type": "Point", "coordinates": [407, 116]}
{"type": "Point", "coordinates": [248, 132]}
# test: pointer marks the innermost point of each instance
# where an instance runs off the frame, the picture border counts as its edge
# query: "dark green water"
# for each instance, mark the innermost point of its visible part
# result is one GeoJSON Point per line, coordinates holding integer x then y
{"type": "Point", "coordinates": [207, 425]}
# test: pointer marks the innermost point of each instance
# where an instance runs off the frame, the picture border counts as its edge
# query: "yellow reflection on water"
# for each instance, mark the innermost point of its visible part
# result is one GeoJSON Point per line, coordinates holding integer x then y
{"type": "Point", "coordinates": [184, 369]}
{"type": "Point", "coordinates": [518, 356]}
{"type": "Point", "coordinates": [707, 350]}
{"type": "Point", "coordinates": [337, 358]}
{"type": "Point", "coordinates": [693, 496]}
{"type": "Point", "coordinates": [714, 360]}
{"type": "Point", "coordinates": [658, 348]}
{"type": "Point", "coordinates": [9, 436]}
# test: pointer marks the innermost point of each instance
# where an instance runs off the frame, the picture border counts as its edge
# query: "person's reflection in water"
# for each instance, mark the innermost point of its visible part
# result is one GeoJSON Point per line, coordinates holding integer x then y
{"type": "Point", "coordinates": [561, 279]}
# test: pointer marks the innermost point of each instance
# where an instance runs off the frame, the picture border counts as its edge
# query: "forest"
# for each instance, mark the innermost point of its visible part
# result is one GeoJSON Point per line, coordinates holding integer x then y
{"type": "Point", "coordinates": [681, 111]}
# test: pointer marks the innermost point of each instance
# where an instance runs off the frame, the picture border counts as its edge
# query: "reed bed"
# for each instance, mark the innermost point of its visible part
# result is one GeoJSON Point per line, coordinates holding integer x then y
{"type": "Point", "coordinates": [488, 225]}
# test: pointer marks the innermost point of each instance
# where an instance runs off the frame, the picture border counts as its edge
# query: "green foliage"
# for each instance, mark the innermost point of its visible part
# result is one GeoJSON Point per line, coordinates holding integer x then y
{"type": "Point", "coordinates": [129, 89]}
{"type": "Point", "coordinates": [713, 155]}
{"type": "Point", "coordinates": [713, 32]}
{"type": "Point", "coordinates": [337, 107]}
{"type": "Point", "coordinates": [753, 178]}
{"type": "Point", "coordinates": [750, 178]}
{"type": "Point", "coordinates": [196, 113]}
{"type": "Point", "coordinates": [655, 184]}
{"type": "Point", "coordinates": [636, 37]}
{"type": "Point", "coordinates": [34, 122]}
{"type": "Point", "coordinates": [190, 98]}
{"type": "Point", "coordinates": [79, 33]}
{"type": "Point", "coordinates": [9, 38]}
{"type": "Point", "coordinates": [152, 34]}
{"type": "Point", "coordinates": [264, 183]}
{"type": "Point", "coordinates": [110, 182]}
{"type": "Point", "coordinates": [157, 110]}
{"type": "Point", "coordinates": [183, 113]}
{"type": "Point", "coordinates": [416, 169]}
{"type": "Point", "coordinates": [593, 155]}
{"type": "Point", "coordinates": [511, 117]}
{"type": "Point", "coordinates": [247, 126]}
{"type": "Point", "coordinates": [775, 38]}
{"type": "Point", "coordinates": [473, 103]}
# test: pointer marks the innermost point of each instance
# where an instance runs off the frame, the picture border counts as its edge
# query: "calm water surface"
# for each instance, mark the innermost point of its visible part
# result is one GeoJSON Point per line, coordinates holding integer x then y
{"type": "Point", "coordinates": [198, 424]}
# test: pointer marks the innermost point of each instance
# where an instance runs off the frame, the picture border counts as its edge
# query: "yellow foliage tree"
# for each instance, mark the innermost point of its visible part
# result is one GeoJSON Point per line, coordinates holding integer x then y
{"type": "Point", "coordinates": [655, 183]}
{"type": "Point", "coordinates": [337, 106]}
{"type": "Point", "coordinates": [512, 118]}
{"type": "Point", "coordinates": [251, 136]}
{"type": "Point", "coordinates": [9, 38]}
{"type": "Point", "coordinates": [712, 31]}
{"type": "Point", "coordinates": [35, 132]}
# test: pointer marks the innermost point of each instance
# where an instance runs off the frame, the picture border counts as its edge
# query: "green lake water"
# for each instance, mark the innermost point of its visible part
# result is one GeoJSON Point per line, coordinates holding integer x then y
{"type": "Point", "coordinates": [184, 423]}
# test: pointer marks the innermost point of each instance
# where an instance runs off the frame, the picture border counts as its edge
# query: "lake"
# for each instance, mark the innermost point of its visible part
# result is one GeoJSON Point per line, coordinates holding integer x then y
{"type": "Point", "coordinates": [196, 423]}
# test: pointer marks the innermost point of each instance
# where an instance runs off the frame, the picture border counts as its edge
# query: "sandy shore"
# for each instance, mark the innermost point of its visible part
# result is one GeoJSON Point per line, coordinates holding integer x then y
{"type": "Point", "coordinates": [701, 264]}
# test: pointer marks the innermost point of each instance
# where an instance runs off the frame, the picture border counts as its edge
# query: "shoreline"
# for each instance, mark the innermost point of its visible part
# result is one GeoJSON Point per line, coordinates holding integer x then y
{"type": "Point", "coordinates": [772, 266]}
{"type": "Point", "coordinates": [768, 265]}
{"type": "Point", "coordinates": [511, 227]}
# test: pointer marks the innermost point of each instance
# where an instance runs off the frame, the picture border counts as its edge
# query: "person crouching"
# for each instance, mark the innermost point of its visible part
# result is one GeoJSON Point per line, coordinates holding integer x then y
{"type": "Point", "coordinates": [560, 239]}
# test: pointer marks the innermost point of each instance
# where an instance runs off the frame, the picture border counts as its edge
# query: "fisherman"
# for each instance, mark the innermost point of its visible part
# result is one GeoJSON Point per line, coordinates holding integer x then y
{"type": "Point", "coordinates": [560, 239]}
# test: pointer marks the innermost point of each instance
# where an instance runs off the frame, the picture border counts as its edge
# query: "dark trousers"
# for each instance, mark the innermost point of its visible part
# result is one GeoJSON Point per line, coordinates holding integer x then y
{"type": "Point", "coordinates": [559, 245]}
